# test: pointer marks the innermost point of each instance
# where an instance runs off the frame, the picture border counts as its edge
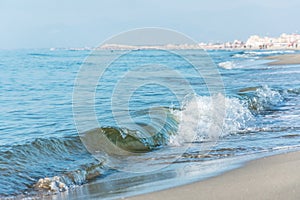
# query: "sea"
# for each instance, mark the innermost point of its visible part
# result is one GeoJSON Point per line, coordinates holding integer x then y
{"type": "Point", "coordinates": [153, 126]}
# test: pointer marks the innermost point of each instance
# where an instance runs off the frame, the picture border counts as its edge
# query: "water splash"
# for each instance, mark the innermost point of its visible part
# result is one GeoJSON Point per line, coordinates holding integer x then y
{"type": "Point", "coordinates": [236, 118]}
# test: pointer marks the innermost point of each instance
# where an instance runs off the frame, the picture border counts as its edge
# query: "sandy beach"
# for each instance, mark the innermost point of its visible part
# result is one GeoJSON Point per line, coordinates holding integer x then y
{"type": "Point", "coordinates": [275, 177]}
{"type": "Point", "coordinates": [287, 59]}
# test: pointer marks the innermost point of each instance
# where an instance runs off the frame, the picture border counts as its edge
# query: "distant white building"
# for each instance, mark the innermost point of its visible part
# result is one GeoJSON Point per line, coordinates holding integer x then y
{"type": "Point", "coordinates": [284, 41]}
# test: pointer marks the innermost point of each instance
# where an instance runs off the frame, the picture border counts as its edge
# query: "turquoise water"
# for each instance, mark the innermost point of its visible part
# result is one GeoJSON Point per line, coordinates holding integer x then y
{"type": "Point", "coordinates": [41, 152]}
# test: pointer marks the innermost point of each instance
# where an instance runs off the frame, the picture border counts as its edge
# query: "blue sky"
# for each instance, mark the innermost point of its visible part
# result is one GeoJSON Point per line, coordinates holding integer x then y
{"type": "Point", "coordinates": [71, 23]}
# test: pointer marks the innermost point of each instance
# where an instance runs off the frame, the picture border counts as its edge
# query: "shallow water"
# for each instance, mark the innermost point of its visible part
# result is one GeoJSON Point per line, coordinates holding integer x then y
{"type": "Point", "coordinates": [38, 137]}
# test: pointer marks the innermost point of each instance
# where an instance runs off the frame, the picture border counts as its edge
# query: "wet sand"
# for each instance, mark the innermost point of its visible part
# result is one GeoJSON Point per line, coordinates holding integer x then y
{"type": "Point", "coordinates": [275, 177]}
{"type": "Point", "coordinates": [287, 59]}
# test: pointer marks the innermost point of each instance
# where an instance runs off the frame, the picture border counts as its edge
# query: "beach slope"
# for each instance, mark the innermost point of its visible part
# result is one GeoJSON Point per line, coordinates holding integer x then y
{"type": "Point", "coordinates": [287, 59]}
{"type": "Point", "coordinates": [275, 177]}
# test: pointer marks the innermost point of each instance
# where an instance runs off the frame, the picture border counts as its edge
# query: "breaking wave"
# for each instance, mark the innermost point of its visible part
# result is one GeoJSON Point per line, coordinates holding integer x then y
{"type": "Point", "coordinates": [261, 53]}
{"type": "Point", "coordinates": [258, 54]}
{"type": "Point", "coordinates": [264, 99]}
{"type": "Point", "coordinates": [190, 123]}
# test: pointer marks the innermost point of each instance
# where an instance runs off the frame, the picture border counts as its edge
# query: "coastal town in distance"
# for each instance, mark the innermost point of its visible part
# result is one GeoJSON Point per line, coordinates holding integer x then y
{"type": "Point", "coordinates": [284, 41]}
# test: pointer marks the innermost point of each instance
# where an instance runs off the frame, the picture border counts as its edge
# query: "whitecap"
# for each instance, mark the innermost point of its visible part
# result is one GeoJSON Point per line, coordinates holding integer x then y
{"type": "Point", "coordinates": [227, 65]}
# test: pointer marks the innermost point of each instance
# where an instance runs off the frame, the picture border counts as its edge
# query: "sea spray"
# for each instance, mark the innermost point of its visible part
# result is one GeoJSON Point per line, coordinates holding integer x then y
{"type": "Point", "coordinates": [197, 128]}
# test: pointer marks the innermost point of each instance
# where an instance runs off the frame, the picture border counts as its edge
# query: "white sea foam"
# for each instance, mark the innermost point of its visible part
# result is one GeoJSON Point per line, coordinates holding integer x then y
{"type": "Point", "coordinates": [269, 52]}
{"type": "Point", "coordinates": [69, 180]}
{"type": "Point", "coordinates": [257, 54]}
{"type": "Point", "coordinates": [202, 117]}
{"type": "Point", "coordinates": [238, 55]}
{"type": "Point", "coordinates": [227, 65]}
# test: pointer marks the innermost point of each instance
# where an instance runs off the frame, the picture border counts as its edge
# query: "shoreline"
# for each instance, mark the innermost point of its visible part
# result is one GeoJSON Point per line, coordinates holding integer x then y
{"type": "Point", "coordinates": [274, 177]}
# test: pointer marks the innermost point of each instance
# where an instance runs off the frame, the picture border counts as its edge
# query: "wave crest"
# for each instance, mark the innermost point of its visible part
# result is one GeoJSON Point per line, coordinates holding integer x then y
{"type": "Point", "coordinates": [265, 99]}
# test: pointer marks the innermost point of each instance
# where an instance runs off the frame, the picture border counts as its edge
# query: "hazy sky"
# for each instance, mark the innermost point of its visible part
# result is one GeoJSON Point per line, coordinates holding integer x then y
{"type": "Point", "coordinates": [71, 23]}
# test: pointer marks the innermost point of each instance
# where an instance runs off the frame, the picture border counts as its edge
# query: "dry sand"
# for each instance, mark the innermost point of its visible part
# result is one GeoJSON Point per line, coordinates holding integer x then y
{"type": "Point", "coordinates": [276, 177]}
{"type": "Point", "coordinates": [287, 59]}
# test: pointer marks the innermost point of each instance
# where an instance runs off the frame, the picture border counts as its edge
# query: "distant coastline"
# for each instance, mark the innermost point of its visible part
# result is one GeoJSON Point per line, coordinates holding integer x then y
{"type": "Point", "coordinates": [254, 42]}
